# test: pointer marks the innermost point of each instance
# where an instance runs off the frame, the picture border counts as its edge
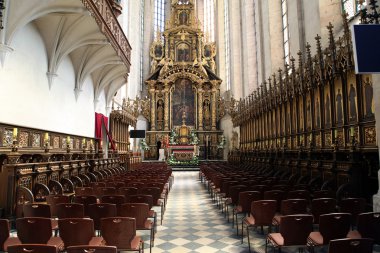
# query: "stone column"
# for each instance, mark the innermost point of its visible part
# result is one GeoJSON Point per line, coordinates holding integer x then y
{"type": "Point", "coordinates": [152, 104]}
{"type": "Point", "coordinates": [215, 85]}
{"type": "Point", "coordinates": [200, 107]}
{"type": "Point", "coordinates": [166, 111]}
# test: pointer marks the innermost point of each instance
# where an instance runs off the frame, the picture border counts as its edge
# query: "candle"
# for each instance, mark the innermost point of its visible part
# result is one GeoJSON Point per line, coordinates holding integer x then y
{"type": "Point", "coordinates": [46, 138]}
{"type": "Point", "coordinates": [84, 141]}
{"type": "Point", "coordinates": [336, 132]}
{"type": "Point", "coordinates": [15, 130]}
{"type": "Point", "coordinates": [68, 139]}
{"type": "Point", "coordinates": [352, 131]}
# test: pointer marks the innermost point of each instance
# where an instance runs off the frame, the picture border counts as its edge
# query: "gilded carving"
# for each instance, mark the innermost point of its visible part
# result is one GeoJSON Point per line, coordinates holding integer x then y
{"type": "Point", "coordinates": [370, 135]}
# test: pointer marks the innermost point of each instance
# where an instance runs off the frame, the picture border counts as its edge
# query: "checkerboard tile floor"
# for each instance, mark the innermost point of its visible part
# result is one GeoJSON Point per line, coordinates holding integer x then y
{"type": "Point", "coordinates": [193, 223]}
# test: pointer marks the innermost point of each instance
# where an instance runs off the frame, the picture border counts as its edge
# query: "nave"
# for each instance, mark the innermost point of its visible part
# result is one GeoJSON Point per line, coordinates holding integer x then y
{"type": "Point", "coordinates": [193, 223]}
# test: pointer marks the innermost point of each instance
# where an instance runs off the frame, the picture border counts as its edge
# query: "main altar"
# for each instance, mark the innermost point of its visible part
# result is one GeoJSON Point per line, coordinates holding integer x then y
{"type": "Point", "coordinates": [183, 90]}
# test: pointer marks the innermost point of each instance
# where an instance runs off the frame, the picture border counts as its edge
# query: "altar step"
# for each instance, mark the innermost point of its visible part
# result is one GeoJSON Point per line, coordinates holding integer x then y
{"type": "Point", "coordinates": [185, 168]}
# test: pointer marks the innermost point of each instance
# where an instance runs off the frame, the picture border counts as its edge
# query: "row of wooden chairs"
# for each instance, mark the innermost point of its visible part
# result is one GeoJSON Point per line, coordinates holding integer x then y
{"type": "Point", "coordinates": [119, 232]}
{"type": "Point", "coordinates": [43, 248]}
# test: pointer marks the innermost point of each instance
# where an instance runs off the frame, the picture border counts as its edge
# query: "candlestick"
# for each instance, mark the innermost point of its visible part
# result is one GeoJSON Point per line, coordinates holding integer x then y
{"type": "Point", "coordinates": [15, 130]}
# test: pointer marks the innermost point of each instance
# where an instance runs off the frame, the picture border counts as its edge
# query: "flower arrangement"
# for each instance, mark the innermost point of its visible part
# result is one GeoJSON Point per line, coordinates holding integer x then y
{"type": "Point", "coordinates": [143, 145]}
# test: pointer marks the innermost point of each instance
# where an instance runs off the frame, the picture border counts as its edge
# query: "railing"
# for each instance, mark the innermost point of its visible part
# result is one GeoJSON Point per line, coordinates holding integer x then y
{"type": "Point", "coordinates": [102, 11]}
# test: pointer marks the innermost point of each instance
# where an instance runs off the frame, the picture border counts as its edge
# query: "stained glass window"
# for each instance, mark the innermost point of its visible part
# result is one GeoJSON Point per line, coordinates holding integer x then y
{"type": "Point", "coordinates": [159, 16]}
{"type": "Point", "coordinates": [285, 30]}
{"type": "Point", "coordinates": [208, 19]}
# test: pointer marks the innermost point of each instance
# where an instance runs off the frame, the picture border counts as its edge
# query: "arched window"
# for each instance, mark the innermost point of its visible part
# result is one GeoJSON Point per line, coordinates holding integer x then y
{"type": "Point", "coordinates": [227, 44]}
{"type": "Point", "coordinates": [159, 17]}
{"type": "Point", "coordinates": [208, 19]}
{"type": "Point", "coordinates": [351, 7]}
{"type": "Point", "coordinates": [285, 30]}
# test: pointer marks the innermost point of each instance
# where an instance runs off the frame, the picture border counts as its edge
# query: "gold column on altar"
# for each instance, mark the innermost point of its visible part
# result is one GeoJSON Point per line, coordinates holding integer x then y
{"type": "Point", "coordinates": [152, 104]}
{"type": "Point", "coordinates": [200, 107]}
{"type": "Point", "coordinates": [213, 103]}
{"type": "Point", "coordinates": [166, 111]}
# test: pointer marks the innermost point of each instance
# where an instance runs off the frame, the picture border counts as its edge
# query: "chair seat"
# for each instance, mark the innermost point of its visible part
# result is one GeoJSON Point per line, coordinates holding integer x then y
{"type": "Point", "coordinates": [135, 243]}
{"type": "Point", "coordinates": [54, 224]}
{"type": "Point", "coordinates": [57, 242]}
{"type": "Point", "coordinates": [276, 220]}
{"type": "Point", "coordinates": [148, 224]}
{"type": "Point", "coordinates": [250, 220]}
{"type": "Point", "coordinates": [96, 241]}
{"type": "Point", "coordinates": [276, 239]}
{"type": "Point", "coordinates": [152, 213]}
{"type": "Point", "coordinates": [228, 201]}
{"type": "Point", "coordinates": [11, 241]}
{"type": "Point", "coordinates": [354, 234]}
{"type": "Point", "coordinates": [238, 209]}
{"type": "Point", "coordinates": [316, 238]}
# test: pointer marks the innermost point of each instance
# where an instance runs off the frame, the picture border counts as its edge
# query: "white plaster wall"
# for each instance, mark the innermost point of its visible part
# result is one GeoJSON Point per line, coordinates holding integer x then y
{"type": "Point", "coordinates": [26, 99]}
{"type": "Point", "coordinates": [312, 22]}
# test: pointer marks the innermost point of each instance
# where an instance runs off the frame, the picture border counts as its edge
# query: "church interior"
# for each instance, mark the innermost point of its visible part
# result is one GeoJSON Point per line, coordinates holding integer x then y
{"type": "Point", "coordinates": [188, 126]}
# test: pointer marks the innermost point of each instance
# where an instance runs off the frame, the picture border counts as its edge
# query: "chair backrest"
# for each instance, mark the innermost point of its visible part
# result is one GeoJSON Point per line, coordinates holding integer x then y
{"type": "Point", "coordinates": [118, 231]}
{"type": "Point", "coordinates": [322, 206]}
{"type": "Point", "coordinates": [139, 211]}
{"type": "Point", "coordinates": [369, 225]}
{"type": "Point", "coordinates": [234, 192]}
{"type": "Point", "coordinates": [34, 230]}
{"type": "Point", "coordinates": [4, 232]}
{"type": "Point", "coordinates": [128, 191]}
{"type": "Point", "coordinates": [91, 249]}
{"type": "Point", "coordinates": [364, 245]}
{"type": "Point", "coordinates": [260, 188]}
{"type": "Point", "coordinates": [298, 194]}
{"type": "Point", "coordinates": [54, 200]}
{"type": "Point", "coordinates": [295, 229]}
{"type": "Point", "coordinates": [334, 226]}
{"type": "Point", "coordinates": [141, 198]}
{"type": "Point", "coordinates": [70, 210]}
{"type": "Point", "coordinates": [80, 191]}
{"type": "Point", "coordinates": [281, 187]}
{"type": "Point", "coordinates": [263, 211]}
{"type": "Point", "coordinates": [153, 191]}
{"type": "Point", "coordinates": [323, 194]}
{"type": "Point", "coordinates": [275, 195]}
{"type": "Point", "coordinates": [76, 231]}
{"type": "Point", "coordinates": [98, 211]}
{"type": "Point", "coordinates": [97, 184]}
{"type": "Point", "coordinates": [354, 206]}
{"type": "Point", "coordinates": [246, 198]}
{"type": "Point", "coordinates": [293, 206]}
{"type": "Point", "coordinates": [36, 210]}
{"type": "Point", "coordinates": [101, 191]}
{"type": "Point", "coordinates": [85, 200]}
{"type": "Point", "coordinates": [113, 199]}
{"type": "Point", "coordinates": [32, 248]}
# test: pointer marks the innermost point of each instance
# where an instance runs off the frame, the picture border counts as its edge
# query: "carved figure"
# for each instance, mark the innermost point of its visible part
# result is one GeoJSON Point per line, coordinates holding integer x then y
{"type": "Point", "coordinates": [368, 91]}
{"type": "Point", "coordinates": [351, 99]}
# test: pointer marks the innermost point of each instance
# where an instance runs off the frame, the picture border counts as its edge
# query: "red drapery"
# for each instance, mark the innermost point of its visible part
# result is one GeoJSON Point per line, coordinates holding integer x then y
{"type": "Point", "coordinates": [101, 120]}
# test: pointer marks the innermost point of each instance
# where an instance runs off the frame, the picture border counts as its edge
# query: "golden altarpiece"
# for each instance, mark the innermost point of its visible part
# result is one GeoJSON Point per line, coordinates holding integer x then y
{"type": "Point", "coordinates": [183, 87]}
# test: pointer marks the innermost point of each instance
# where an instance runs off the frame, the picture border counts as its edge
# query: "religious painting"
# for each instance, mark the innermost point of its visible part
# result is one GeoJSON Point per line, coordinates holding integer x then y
{"type": "Point", "coordinates": [317, 109]}
{"type": "Point", "coordinates": [338, 102]}
{"type": "Point", "coordinates": [327, 106]}
{"type": "Point", "coordinates": [158, 51]}
{"type": "Point", "coordinates": [352, 98]}
{"type": "Point", "coordinates": [207, 51]}
{"type": "Point", "coordinates": [183, 18]}
{"type": "Point", "coordinates": [183, 52]}
{"type": "Point", "coordinates": [367, 89]}
{"type": "Point", "coordinates": [308, 112]}
{"type": "Point", "coordinates": [183, 103]}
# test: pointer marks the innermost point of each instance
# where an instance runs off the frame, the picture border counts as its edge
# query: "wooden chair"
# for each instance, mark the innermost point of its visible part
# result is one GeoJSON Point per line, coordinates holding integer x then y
{"type": "Point", "coordinates": [5, 237]}
{"type": "Point", "coordinates": [78, 231]}
{"type": "Point", "coordinates": [294, 231]}
{"type": "Point", "coordinates": [54, 200]}
{"type": "Point", "coordinates": [32, 248]}
{"type": "Point", "coordinates": [139, 211]}
{"type": "Point", "coordinates": [364, 245]}
{"type": "Point", "coordinates": [368, 226]}
{"type": "Point", "coordinates": [98, 211]}
{"type": "Point", "coordinates": [156, 194]}
{"type": "Point", "coordinates": [322, 206]}
{"type": "Point", "coordinates": [113, 199]}
{"type": "Point", "coordinates": [83, 191]}
{"type": "Point", "coordinates": [121, 232]}
{"type": "Point", "coordinates": [354, 206]}
{"type": "Point", "coordinates": [37, 230]}
{"type": "Point", "coordinates": [71, 210]}
{"type": "Point", "coordinates": [244, 205]}
{"type": "Point", "coordinates": [331, 226]}
{"type": "Point", "coordinates": [40, 210]}
{"type": "Point", "coordinates": [148, 199]}
{"type": "Point", "coordinates": [290, 207]}
{"type": "Point", "coordinates": [91, 249]}
{"type": "Point", "coordinates": [262, 213]}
